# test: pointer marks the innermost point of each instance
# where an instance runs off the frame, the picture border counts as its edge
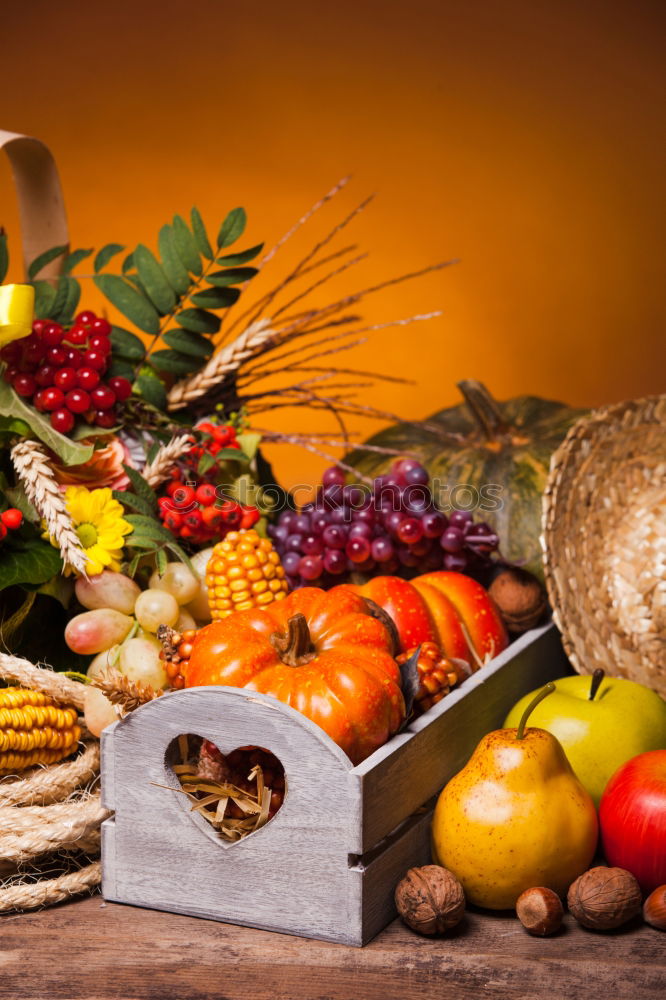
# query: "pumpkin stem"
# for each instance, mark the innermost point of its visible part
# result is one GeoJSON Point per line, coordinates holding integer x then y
{"type": "Point", "coordinates": [484, 409]}
{"type": "Point", "coordinates": [295, 645]}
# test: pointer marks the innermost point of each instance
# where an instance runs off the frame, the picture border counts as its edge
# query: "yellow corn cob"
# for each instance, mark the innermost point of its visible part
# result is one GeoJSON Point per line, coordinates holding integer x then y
{"type": "Point", "coordinates": [34, 729]}
{"type": "Point", "coordinates": [243, 572]}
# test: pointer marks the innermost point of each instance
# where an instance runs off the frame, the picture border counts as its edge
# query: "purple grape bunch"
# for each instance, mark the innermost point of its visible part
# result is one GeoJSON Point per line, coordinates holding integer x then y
{"type": "Point", "coordinates": [394, 528]}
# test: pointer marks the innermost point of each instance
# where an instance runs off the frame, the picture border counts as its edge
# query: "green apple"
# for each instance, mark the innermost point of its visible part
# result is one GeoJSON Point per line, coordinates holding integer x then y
{"type": "Point", "coordinates": [600, 721]}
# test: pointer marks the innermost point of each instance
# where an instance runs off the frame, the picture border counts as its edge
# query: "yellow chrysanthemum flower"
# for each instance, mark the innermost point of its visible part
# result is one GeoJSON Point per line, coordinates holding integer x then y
{"type": "Point", "coordinates": [99, 523]}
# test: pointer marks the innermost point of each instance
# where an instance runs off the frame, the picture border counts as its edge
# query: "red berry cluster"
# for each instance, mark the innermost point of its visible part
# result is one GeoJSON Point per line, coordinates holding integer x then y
{"type": "Point", "coordinates": [10, 520]}
{"type": "Point", "coordinates": [215, 437]}
{"type": "Point", "coordinates": [61, 370]}
{"type": "Point", "coordinates": [201, 514]}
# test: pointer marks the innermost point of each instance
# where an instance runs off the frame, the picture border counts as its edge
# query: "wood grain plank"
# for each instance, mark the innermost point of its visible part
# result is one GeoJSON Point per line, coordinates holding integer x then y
{"type": "Point", "coordinates": [93, 951]}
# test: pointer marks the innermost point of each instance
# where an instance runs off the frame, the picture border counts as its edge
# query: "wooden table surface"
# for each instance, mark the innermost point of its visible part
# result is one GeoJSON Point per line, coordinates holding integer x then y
{"type": "Point", "coordinates": [91, 950]}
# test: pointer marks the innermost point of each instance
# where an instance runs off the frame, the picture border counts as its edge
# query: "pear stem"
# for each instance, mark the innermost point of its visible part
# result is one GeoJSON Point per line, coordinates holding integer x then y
{"type": "Point", "coordinates": [597, 678]}
{"type": "Point", "coordinates": [543, 693]}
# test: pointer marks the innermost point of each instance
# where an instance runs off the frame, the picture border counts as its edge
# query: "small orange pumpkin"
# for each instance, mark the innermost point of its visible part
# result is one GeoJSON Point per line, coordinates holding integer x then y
{"type": "Point", "coordinates": [321, 653]}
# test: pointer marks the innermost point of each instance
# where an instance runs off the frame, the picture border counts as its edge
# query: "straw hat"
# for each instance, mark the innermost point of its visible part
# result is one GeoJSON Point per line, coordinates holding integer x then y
{"type": "Point", "coordinates": [604, 541]}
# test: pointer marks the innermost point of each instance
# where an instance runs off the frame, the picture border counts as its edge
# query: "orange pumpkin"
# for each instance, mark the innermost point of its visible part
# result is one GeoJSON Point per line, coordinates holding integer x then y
{"type": "Point", "coordinates": [321, 653]}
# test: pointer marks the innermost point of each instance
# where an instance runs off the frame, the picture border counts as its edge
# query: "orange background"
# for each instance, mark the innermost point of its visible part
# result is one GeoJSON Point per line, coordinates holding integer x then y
{"type": "Point", "coordinates": [522, 136]}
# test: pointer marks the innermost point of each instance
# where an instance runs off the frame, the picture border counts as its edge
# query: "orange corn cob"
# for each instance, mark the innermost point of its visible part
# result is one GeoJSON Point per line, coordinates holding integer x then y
{"type": "Point", "coordinates": [34, 729]}
{"type": "Point", "coordinates": [243, 572]}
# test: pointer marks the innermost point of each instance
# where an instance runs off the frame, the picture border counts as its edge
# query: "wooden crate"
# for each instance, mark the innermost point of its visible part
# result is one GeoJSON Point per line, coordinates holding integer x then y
{"type": "Point", "coordinates": [326, 865]}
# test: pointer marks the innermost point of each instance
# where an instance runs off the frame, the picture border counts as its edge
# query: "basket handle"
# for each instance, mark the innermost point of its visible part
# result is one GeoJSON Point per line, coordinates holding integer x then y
{"type": "Point", "coordinates": [40, 199]}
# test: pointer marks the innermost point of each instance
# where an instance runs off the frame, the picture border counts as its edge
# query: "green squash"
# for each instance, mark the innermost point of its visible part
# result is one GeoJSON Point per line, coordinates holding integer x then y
{"type": "Point", "coordinates": [489, 457]}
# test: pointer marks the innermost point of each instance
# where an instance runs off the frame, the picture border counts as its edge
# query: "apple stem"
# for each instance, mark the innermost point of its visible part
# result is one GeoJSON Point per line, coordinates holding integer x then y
{"type": "Point", "coordinates": [597, 678]}
{"type": "Point", "coordinates": [543, 693]}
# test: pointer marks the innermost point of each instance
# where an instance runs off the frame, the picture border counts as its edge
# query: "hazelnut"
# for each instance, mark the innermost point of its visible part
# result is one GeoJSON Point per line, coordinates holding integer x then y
{"type": "Point", "coordinates": [604, 898]}
{"type": "Point", "coordinates": [654, 908]}
{"type": "Point", "coordinates": [430, 899]}
{"type": "Point", "coordinates": [520, 597]}
{"type": "Point", "coordinates": [540, 911]}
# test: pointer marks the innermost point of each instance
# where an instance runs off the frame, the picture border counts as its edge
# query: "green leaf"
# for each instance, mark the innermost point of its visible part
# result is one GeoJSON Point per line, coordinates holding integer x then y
{"type": "Point", "coordinates": [141, 487]}
{"type": "Point", "coordinates": [11, 425]}
{"type": "Point", "coordinates": [105, 255]}
{"type": "Point", "coordinates": [184, 558]}
{"type": "Point", "coordinates": [120, 367]}
{"type": "Point", "coordinates": [172, 265]}
{"type": "Point", "coordinates": [12, 406]}
{"type": "Point", "coordinates": [66, 300]}
{"type": "Point", "coordinates": [32, 562]}
{"type": "Point", "coordinates": [232, 227]}
{"type": "Point", "coordinates": [138, 541]}
{"type": "Point", "coordinates": [206, 462]}
{"type": "Point", "coordinates": [215, 298]}
{"type": "Point", "coordinates": [231, 455]}
{"type": "Point", "coordinates": [200, 236]}
{"type": "Point", "coordinates": [243, 257]}
{"type": "Point", "coordinates": [249, 442]}
{"type": "Point", "coordinates": [127, 345]}
{"type": "Point", "coordinates": [74, 258]}
{"type": "Point", "coordinates": [15, 495]}
{"type": "Point", "coordinates": [130, 302]}
{"type": "Point", "coordinates": [149, 527]}
{"type": "Point", "coordinates": [83, 431]}
{"type": "Point", "coordinates": [174, 363]}
{"type": "Point", "coordinates": [154, 280]}
{"type": "Point", "coordinates": [4, 256]}
{"type": "Point", "coordinates": [232, 276]}
{"type": "Point", "coordinates": [128, 263]}
{"type": "Point", "coordinates": [45, 258]}
{"type": "Point", "coordinates": [134, 565]}
{"type": "Point", "coordinates": [12, 624]}
{"type": "Point", "coordinates": [134, 502]}
{"type": "Point", "coordinates": [185, 245]}
{"type": "Point", "coordinates": [45, 295]}
{"type": "Point", "coordinates": [189, 343]}
{"type": "Point", "coordinates": [152, 389]}
{"type": "Point", "coordinates": [199, 321]}
{"type": "Point", "coordinates": [162, 561]}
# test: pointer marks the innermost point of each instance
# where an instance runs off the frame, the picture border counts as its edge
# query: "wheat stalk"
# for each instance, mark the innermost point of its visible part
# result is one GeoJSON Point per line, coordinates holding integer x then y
{"type": "Point", "coordinates": [158, 470]}
{"type": "Point", "coordinates": [123, 692]}
{"type": "Point", "coordinates": [249, 343]}
{"type": "Point", "coordinates": [42, 489]}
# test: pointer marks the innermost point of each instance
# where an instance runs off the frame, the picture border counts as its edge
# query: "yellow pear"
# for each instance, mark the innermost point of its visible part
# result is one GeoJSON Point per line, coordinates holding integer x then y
{"type": "Point", "coordinates": [516, 816]}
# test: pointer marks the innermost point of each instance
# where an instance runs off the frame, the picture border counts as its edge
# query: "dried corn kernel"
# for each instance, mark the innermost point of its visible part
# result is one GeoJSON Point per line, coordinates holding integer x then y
{"type": "Point", "coordinates": [243, 572]}
{"type": "Point", "coordinates": [34, 729]}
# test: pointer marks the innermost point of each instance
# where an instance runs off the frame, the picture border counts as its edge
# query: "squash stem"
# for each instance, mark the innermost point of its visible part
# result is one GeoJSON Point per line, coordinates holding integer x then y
{"type": "Point", "coordinates": [484, 409]}
{"type": "Point", "coordinates": [295, 646]}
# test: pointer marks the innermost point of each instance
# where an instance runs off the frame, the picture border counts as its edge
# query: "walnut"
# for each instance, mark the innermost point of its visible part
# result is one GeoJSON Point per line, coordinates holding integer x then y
{"type": "Point", "coordinates": [540, 911]}
{"type": "Point", "coordinates": [430, 899]}
{"type": "Point", "coordinates": [604, 898]}
{"type": "Point", "coordinates": [520, 597]}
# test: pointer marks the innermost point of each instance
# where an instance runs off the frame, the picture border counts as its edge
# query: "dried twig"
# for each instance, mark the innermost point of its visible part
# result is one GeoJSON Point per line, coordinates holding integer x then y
{"type": "Point", "coordinates": [42, 489]}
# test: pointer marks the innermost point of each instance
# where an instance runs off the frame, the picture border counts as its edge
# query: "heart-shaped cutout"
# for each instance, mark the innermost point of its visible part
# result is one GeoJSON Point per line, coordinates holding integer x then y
{"type": "Point", "coordinates": [236, 793]}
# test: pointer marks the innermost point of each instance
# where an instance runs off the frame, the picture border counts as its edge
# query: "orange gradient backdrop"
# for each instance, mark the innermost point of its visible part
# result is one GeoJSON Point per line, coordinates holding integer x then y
{"type": "Point", "coordinates": [523, 137]}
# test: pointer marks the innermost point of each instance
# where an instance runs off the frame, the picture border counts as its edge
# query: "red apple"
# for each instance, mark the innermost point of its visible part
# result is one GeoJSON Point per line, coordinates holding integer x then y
{"type": "Point", "coordinates": [632, 817]}
{"type": "Point", "coordinates": [475, 607]}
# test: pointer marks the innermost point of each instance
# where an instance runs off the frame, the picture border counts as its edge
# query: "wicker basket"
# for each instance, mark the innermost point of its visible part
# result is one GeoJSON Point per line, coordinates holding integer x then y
{"type": "Point", "coordinates": [604, 541]}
